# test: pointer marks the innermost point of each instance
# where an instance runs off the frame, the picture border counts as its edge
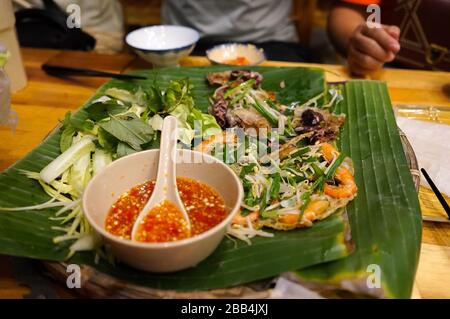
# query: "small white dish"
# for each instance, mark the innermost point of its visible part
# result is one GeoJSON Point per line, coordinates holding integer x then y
{"type": "Point", "coordinates": [222, 53]}
{"type": "Point", "coordinates": [163, 45]}
{"type": "Point", "coordinates": [129, 171]}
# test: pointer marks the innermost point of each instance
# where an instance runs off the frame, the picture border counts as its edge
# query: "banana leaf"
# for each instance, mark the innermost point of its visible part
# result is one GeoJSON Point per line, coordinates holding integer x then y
{"type": "Point", "coordinates": [29, 234]}
{"type": "Point", "coordinates": [385, 217]}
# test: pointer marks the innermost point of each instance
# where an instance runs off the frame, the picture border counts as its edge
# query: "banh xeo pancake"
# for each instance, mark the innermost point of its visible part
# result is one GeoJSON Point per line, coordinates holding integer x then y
{"type": "Point", "coordinates": [285, 155]}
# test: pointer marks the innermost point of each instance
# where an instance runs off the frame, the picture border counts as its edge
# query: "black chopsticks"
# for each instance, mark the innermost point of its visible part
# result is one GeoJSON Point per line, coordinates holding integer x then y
{"type": "Point", "coordinates": [436, 192]}
{"type": "Point", "coordinates": [57, 70]}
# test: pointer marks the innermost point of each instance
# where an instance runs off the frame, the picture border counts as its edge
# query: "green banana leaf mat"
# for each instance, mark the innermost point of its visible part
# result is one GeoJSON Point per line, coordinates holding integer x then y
{"type": "Point", "coordinates": [384, 220]}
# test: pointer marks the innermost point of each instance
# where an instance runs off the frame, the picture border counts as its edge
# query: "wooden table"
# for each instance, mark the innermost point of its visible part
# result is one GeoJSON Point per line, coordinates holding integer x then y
{"type": "Point", "coordinates": [46, 99]}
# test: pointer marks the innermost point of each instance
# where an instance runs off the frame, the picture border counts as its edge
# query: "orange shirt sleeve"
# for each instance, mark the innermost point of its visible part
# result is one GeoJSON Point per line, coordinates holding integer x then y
{"type": "Point", "coordinates": [362, 2]}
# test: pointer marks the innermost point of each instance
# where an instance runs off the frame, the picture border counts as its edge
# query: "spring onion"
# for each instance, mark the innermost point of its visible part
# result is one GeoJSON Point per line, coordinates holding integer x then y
{"type": "Point", "coordinates": [300, 152]}
{"type": "Point", "coordinates": [329, 174]}
{"type": "Point", "coordinates": [275, 187]}
{"type": "Point", "coordinates": [100, 160]}
{"type": "Point", "coordinates": [241, 87]}
{"type": "Point", "coordinates": [317, 170]}
{"type": "Point", "coordinates": [266, 112]}
{"type": "Point", "coordinates": [67, 159]}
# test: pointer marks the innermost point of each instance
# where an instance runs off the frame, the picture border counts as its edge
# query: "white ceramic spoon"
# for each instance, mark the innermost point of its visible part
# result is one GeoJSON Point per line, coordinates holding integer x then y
{"type": "Point", "coordinates": [166, 179]}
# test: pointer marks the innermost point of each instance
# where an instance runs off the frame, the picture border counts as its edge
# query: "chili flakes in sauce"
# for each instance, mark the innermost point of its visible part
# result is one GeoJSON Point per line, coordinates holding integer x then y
{"type": "Point", "coordinates": [203, 204]}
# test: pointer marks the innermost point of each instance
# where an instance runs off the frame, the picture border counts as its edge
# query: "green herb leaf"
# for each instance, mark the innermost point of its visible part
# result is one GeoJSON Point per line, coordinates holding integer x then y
{"type": "Point", "coordinates": [66, 138]}
{"type": "Point", "coordinates": [275, 187]}
{"type": "Point", "coordinates": [101, 110]}
{"type": "Point", "coordinates": [155, 99]}
{"type": "Point", "coordinates": [106, 140]}
{"type": "Point", "coordinates": [78, 124]}
{"type": "Point", "coordinates": [130, 130]}
{"type": "Point", "coordinates": [247, 169]}
{"type": "Point", "coordinates": [178, 95]}
{"type": "Point", "coordinates": [123, 149]}
{"type": "Point", "coordinates": [249, 200]}
{"type": "Point", "coordinates": [247, 186]}
{"type": "Point", "coordinates": [69, 128]}
{"type": "Point", "coordinates": [122, 95]}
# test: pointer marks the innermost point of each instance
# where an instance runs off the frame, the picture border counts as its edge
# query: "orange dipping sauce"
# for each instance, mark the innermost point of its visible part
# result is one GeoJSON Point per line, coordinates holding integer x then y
{"type": "Point", "coordinates": [165, 222]}
{"type": "Point", "coordinates": [240, 60]}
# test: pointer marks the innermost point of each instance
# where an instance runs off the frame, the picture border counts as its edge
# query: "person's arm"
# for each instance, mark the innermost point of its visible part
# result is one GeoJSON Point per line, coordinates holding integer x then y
{"type": "Point", "coordinates": [366, 48]}
{"type": "Point", "coordinates": [342, 22]}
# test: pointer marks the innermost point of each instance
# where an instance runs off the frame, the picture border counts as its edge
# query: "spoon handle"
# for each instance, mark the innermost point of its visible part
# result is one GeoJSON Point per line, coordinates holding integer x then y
{"type": "Point", "coordinates": [166, 178]}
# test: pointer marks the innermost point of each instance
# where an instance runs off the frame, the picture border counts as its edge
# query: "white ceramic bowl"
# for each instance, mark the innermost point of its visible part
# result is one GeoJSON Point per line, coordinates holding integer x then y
{"type": "Point", "coordinates": [223, 52]}
{"type": "Point", "coordinates": [163, 45]}
{"type": "Point", "coordinates": [127, 172]}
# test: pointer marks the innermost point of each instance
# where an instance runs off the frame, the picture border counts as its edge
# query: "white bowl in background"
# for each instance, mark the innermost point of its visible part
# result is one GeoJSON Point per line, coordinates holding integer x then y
{"type": "Point", "coordinates": [123, 174]}
{"type": "Point", "coordinates": [163, 45]}
{"type": "Point", "coordinates": [221, 53]}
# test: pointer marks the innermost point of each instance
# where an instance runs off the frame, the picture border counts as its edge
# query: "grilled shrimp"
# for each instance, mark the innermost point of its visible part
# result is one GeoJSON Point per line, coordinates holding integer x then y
{"type": "Point", "coordinates": [346, 186]}
{"type": "Point", "coordinates": [312, 211]}
{"type": "Point", "coordinates": [242, 220]}
{"type": "Point", "coordinates": [208, 145]}
{"type": "Point", "coordinates": [329, 152]}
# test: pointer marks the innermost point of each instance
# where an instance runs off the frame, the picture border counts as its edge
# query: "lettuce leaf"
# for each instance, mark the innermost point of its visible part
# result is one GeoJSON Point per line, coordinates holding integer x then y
{"type": "Point", "coordinates": [204, 124]}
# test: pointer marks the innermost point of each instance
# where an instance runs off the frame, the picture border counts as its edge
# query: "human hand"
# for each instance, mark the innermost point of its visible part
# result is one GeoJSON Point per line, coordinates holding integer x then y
{"type": "Point", "coordinates": [370, 47]}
